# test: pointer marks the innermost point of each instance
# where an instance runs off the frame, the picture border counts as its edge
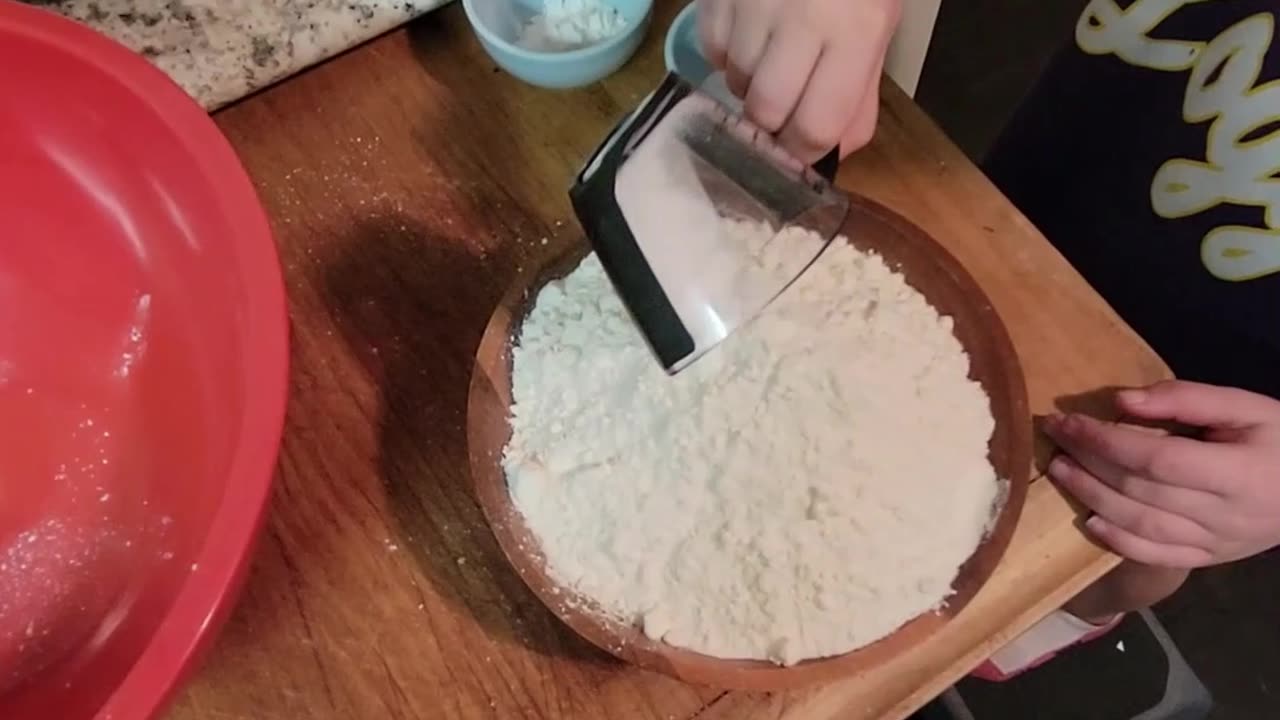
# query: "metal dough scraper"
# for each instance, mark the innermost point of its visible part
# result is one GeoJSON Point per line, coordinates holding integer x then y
{"type": "Point", "coordinates": [692, 210]}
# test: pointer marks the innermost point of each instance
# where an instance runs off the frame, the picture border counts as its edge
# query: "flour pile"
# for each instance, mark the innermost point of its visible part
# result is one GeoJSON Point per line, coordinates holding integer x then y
{"type": "Point", "coordinates": [801, 491]}
{"type": "Point", "coordinates": [571, 24]}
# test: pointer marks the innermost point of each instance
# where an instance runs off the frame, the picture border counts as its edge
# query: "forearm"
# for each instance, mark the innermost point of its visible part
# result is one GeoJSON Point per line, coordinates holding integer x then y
{"type": "Point", "coordinates": [1131, 586]}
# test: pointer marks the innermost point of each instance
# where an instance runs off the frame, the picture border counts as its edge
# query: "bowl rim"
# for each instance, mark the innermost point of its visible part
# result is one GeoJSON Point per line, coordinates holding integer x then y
{"type": "Point", "coordinates": [489, 36]}
{"type": "Point", "coordinates": [681, 19]}
{"type": "Point", "coordinates": [206, 596]}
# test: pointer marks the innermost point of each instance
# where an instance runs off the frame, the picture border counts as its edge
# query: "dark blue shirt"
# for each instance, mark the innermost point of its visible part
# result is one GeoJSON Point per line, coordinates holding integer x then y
{"type": "Point", "coordinates": [1148, 154]}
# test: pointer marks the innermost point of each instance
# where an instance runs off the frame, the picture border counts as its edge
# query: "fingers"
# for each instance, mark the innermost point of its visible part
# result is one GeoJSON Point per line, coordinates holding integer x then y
{"type": "Point", "coordinates": [1176, 461]}
{"type": "Point", "coordinates": [715, 25]}
{"type": "Point", "coordinates": [1146, 521]}
{"type": "Point", "coordinates": [863, 127]}
{"type": "Point", "coordinates": [1082, 435]}
{"type": "Point", "coordinates": [1192, 504]}
{"type": "Point", "coordinates": [1200, 405]}
{"type": "Point", "coordinates": [1145, 551]}
{"type": "Point", "coordinates": [782, 75]}
{"type": "Point", "coordinates": [747, 41]}
{"type": "Point", "coordinates": [807, 72]}
{"type": "Point", "coordinates": [830, 98]}
{"type": "Point", "coordinates": [847, 76]}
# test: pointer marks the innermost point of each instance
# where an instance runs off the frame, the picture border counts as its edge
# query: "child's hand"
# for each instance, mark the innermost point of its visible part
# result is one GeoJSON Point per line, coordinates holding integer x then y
{"type": "Point", "coordinates": [1174, 501]}
{"type": "Point", "coordinates": [808, 70]}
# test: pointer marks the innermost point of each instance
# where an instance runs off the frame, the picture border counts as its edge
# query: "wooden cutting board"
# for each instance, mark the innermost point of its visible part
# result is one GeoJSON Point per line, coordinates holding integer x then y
{"type": "Point", "coordinates": [408, 182]}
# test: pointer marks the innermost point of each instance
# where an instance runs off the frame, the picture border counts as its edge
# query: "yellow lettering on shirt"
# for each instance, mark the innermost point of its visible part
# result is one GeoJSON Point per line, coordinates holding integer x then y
{"type": "Point", "coordinates": [1105, 29]}
{"type": "Point", "coordinates": [1234, 252]}
{"type": "Point", "coordinates": [1242, 151]}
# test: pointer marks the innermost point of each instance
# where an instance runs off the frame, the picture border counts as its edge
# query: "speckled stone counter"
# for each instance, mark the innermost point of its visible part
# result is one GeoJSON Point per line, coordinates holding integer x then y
{"type": "Point", "coordinates": [222, 50]}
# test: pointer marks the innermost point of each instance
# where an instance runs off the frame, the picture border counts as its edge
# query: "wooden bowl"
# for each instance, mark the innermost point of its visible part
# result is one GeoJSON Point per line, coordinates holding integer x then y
{"type": "Point", "coordinates": [928, 268]}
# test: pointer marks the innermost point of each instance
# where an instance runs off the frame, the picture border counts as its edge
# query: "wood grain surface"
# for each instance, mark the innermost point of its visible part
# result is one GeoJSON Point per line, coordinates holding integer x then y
{"type": "Point", "coordinates": [408, 181]}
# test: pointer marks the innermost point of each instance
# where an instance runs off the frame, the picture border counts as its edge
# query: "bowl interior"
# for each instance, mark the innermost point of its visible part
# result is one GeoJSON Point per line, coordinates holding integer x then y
{"type": "Point", "coordinates": [503, 20]}
{"type": "Point", "coordinates": [142, 360]}
{"type": "Point", "coordinates": [993, 363]}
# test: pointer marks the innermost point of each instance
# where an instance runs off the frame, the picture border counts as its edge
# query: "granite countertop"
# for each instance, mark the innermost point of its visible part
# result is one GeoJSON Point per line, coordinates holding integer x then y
{"type": "Point", "coordinates": [222, 50]}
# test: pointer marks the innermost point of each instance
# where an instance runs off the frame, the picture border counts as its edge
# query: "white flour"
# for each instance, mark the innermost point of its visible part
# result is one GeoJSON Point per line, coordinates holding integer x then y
{"type": "Point", "coordinates": [803, 490]}
{"type": "Point", "coordinates": [571, 24]}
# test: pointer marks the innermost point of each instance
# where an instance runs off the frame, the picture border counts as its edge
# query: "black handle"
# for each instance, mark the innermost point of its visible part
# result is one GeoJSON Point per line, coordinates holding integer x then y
{"type": "Point", "coordinates": [596, 206]}
{"type": "Point", "coordinates": [828, 165]}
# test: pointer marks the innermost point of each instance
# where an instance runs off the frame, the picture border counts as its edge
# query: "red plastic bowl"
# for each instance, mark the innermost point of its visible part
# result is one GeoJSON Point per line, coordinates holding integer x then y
{"type": "Point", "coordinates": [143, 364]}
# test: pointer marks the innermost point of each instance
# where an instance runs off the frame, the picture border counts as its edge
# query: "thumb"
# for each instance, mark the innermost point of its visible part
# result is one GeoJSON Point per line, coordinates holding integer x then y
{"type": "Point", "coordinates": [1206, 406]}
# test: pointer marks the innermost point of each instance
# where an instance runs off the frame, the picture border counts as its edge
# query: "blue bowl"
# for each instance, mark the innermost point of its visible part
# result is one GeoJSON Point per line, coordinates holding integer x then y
{"type": "Point", "coordinates": [497, 23]}
{"type": "Point", "coordinates": [683, 50]}
{"type": "Point", "coordinates": [684, 56]}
